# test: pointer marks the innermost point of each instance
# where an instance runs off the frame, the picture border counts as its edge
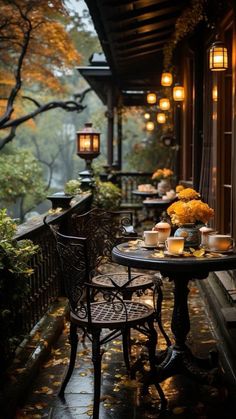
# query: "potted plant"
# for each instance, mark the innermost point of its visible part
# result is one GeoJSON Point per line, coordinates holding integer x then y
{"type": "Point", "coordinates": [14, 271]}
{"type": "Point", "coordinates": [163, 176]}
{"type": "Point", "coordinates": [189, 213]}
{"type": "Point", "coordinates": [106, 196]}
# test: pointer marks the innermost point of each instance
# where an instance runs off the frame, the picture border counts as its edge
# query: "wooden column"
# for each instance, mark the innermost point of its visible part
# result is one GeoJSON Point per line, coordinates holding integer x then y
{"type": "Point", "coordinates": [110, 126]}
{"type": "Point", "coordinates": [119, 137]}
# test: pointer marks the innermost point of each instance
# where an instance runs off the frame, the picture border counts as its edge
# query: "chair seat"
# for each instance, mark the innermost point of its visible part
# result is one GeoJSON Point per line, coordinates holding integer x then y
{"type": "Point", "coordinates": [140, 281]}
{"type": "Point", "coordinates": [113, 315]}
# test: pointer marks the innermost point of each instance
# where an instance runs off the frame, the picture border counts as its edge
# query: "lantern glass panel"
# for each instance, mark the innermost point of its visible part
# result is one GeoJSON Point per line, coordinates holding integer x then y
{"type": "Point", "coordinates": [151, 98]}
{"type": "Point", "coordinates": [164, 104]}
{"type": "Point", "coordinates": [166, 79]}
{"type": "Point", "coordinates": [161, 118]}
{"type": "Point", "coordinates": [178, 93]}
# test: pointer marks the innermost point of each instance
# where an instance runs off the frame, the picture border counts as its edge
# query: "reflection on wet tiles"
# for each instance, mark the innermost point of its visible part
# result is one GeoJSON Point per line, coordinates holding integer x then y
{"type": "Point", "coordinates": [121, 397]}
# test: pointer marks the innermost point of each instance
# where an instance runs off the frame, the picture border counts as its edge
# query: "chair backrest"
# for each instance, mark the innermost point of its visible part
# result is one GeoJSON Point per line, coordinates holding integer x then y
{"type": "Point", "coordinates": [103, 230]}
{"type": "Point", "coordinates": [73, 257]}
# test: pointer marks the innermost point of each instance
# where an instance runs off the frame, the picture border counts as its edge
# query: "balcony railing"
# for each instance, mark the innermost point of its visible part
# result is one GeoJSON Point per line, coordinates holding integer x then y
{"type": "Point", "coordinates": [129, 181]}
{"type": "Point", "coordinates": [45, 284]}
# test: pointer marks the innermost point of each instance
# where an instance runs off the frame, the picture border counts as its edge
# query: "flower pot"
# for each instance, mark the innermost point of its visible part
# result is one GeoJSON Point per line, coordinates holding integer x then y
{"type": "Point", "coordinates": [191, 234]}
{"type": "Point", "coordinates": [163, 186]}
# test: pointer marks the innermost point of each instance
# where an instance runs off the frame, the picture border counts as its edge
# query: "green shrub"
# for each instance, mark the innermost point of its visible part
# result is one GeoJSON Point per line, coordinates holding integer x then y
{"type": "Point", "coordinates": [14, 271]}
{"type": "Point", "coordinates": [106, 196]}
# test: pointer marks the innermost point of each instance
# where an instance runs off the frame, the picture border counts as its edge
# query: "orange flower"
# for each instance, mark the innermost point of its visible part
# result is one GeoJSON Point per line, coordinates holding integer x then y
{"type": "Point", "coordinates": [162, 174]}
{"type": "Point", "coordinates": [188, 194]}
{"type": "Point", "coordinates": [179, 188]}
{"type": "Point", "coordinates": [193, 211]}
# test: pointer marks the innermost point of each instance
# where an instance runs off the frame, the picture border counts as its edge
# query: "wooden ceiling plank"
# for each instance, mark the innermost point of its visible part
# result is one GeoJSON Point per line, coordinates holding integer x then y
{"type": "Point", "coordinates": [140, 42]}
{"type": "Point", "coordinates": [144, 46]}
{"type": "Point", "coordinates": [150, 23]}
{"type": "Point", "coordinates": [142, 14]}
{"type": "Point", "coordinates": [143, 36]}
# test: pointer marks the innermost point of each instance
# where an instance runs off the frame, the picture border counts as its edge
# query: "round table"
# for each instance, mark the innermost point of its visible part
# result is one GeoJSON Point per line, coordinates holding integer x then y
{"type": "Point", "coordinates": [158, 205]}
{"type": "Point", "coordinates": [180, 270]}
{"type": "Point", "coordinates": [145, 194]}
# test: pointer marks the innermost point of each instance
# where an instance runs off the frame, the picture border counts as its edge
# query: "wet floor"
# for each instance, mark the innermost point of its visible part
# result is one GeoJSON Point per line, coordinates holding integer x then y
{"type": "Point", "coordinates": [120, 396]}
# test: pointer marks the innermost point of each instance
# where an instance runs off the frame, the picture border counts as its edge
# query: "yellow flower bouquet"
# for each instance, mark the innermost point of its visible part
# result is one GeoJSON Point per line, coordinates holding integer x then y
{"type": "Point", "coordinates": [192, 211]}
{"type": "Point", "coordinates": [162, 174]}
{"type": "Point", "coordinates": [187, 194]}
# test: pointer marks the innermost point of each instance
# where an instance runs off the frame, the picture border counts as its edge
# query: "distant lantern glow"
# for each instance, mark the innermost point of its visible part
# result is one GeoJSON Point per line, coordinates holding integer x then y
{"type": "Point", "coordinates": [164, 104]}
{"type": "Point", "coordinates": [151, 98]}
{"type": "Point", "coordinates": [150, 126]}
{"type": "Point", "coordinates": [161, 118]}
{"type": "Point", "coordinates": [215, 94]}
{"type": "Point", "coordinates": [178, 93]}
{"type": "Point", "coordinates": [218, 57]}
{"type": "Point", "coordinates": [166, 79]}
{"type": "Point", "coordinates": [147, 115]}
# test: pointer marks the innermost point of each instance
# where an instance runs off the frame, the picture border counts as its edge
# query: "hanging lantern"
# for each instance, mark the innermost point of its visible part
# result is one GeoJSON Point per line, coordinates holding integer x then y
{"type": "Point", "coordinates": [161, 118]}
{"type": "Point", "coordinates": [150, 126]}
{"type": "Point", "coordinates": [151, 98]}
{"type": "Point", "coordinates": [178, 93]}
{"type": "Point", "coordinates": [164, 104]}
{"type": "Point", "coordinates": [147, 115]}
{"type": "Point", "coordinates": [218, 57]}
{"type": "Point", "coordinates": [166, 79]}
{"type": "Point", "coordinates": [215, 94]}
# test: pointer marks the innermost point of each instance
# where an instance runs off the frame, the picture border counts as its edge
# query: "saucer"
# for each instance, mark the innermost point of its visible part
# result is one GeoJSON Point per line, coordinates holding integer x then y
{"type": "Point", "coordinates": [167, 253]}
{"type": "Point", "coordinates": [223, 252]}
{"type": "Point", "coordinates": [148, 246]}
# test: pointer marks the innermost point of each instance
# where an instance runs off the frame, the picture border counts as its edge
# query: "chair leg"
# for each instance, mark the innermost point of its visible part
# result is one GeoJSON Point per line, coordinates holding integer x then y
{"type": "Point", "coordinates": [73, 352]}
{"type": "Point", "coordinates": [158, 313]}
{"type": "Point", "coordinates": [126, 347]}
{"type": "Point", "coordinates": [96, 358]}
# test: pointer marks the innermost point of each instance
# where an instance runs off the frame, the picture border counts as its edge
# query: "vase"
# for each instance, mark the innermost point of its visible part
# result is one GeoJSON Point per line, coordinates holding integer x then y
{"type": "Point", "coordinates": [191, 234]}
{"type": "Point", "coordinates": [163, 186]}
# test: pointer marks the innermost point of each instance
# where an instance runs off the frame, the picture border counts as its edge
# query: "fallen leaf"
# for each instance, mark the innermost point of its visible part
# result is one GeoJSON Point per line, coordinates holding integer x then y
{"type": "Point", "coordinates": [199, 253]}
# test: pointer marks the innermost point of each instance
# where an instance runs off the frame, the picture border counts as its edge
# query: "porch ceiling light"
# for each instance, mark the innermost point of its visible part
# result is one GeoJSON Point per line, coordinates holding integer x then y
{"type": "Point", "coordinates": [151, 98]}
{"type": "Point", "coordinates": [150, 126]}
{"type": "Point", "coordinates": [166, 79]}
{"type": "Point", "coordinates": [161, 118]}
{"type": "Point", "coordinates": [218, 57]}
{"type": "Point", "coordinates": [164, 104]}
{"type": "Point", "coordinates": [178, 93]}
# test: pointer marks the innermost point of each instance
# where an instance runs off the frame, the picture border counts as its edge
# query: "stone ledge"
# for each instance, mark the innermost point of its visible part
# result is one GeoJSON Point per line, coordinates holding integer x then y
{"type": "Point", "coordinates": [30, 356]}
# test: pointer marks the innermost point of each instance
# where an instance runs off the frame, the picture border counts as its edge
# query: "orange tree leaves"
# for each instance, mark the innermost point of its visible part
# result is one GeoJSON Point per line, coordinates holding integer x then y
{"type": "Point", "coordinates": [35, 51]}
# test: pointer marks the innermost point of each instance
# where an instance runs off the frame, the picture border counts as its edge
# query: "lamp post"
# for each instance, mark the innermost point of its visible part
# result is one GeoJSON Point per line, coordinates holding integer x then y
{"type": "Point", "coordinates": [88, 148]}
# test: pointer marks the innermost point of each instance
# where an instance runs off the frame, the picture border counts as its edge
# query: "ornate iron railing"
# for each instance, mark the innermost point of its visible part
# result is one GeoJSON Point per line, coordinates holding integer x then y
{"type": "Point", "coordinates": [129, 181]}
{"type": "Point", "coordinates": [45, 284]}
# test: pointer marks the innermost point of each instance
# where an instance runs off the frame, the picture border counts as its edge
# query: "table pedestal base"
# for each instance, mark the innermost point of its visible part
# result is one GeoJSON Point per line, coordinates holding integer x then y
{"type": "Point", "coordinates": [182, 361]}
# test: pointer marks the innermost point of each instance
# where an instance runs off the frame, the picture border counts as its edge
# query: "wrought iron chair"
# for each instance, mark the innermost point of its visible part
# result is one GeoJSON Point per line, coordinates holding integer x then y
{"type": "Point", "coordinates": [104, 230]}
{"type": "Point", "coordinates": [103, 320]}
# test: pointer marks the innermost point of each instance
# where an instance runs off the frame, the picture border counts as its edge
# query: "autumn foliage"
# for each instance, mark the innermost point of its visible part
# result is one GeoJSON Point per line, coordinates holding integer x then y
{"type": "Point", "coordinates": [35, 52]}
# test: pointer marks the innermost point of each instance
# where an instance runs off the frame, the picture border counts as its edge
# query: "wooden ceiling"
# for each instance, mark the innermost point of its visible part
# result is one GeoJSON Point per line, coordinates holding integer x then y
{"type": "Point", "coordinates": [132, 35]}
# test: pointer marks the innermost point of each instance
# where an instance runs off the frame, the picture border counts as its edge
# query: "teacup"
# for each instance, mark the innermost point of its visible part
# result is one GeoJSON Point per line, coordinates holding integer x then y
{"type": "Point", "coordinates": [150, 237]}
{"type": "Point", "coordinates": [205, 232]}
{"type": "Point", "coordinates": [220, 242]}
{"type": "Point", "coordinates": [164, 230]}
{"type": "Point", "coordinates": [175, 245]}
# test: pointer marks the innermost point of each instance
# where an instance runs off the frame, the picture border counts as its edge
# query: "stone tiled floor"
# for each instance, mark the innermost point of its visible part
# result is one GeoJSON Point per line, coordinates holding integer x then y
{"type": "Point", "coordinates": [120, 396]}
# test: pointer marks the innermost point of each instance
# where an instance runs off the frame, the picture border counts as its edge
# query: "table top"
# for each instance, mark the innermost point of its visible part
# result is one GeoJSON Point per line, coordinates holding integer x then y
{"type": "Point", "coordinates": [196, 267]}
{"type": "Point", "coordinates": [154, 192]}
{"type": "Point", "coordinates": [157, 202]}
